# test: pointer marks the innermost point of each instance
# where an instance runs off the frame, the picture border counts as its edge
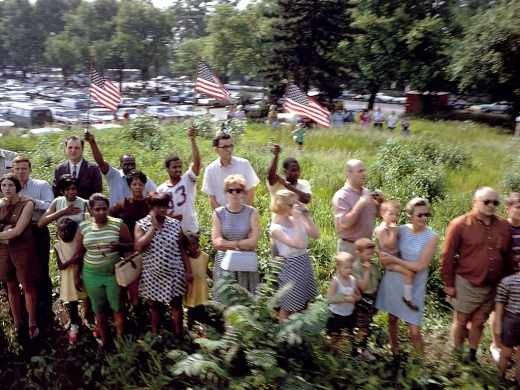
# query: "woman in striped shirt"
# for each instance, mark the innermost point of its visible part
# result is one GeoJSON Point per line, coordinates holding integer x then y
{"type": "Point", "coordinates": [100, 240]}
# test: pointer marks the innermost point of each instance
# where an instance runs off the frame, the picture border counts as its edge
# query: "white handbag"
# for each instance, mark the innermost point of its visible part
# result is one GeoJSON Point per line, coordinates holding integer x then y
{"type": "Point", "coordinates": [239, 261]}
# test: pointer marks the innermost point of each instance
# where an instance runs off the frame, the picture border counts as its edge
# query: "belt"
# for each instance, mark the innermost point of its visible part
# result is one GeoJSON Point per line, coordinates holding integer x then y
{"type": "Point", "coordinates": [348, 240]}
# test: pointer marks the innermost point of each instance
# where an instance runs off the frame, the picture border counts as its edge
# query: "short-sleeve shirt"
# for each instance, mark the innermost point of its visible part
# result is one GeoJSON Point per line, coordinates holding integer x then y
{"type": "Point", "coordinates": [343, 202]}
{"type": "Point", "coordinates": [182, 200]}
{"type": "Point", "coordinates": [508, 293]}
{"type": "Point", "coordinates": [302, 185]}
{"type": "Point", "coordinates": [118, 187]}
{"type": "Point", "coordinates": [300, 133]}
{"type": "Point", "coordinates": [215, 173]}
{"type": "Point", "coordinates": [373, 280]}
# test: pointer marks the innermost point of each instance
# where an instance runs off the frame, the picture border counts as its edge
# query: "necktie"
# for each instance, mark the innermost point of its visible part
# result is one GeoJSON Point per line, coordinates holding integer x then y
{"type": "Point", "coordinates": [74, 171]}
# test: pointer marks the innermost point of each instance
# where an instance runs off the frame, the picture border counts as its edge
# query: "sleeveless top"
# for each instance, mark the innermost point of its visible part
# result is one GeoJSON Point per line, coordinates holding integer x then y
{"type": "Point", "coordinates": [134, 211]}
{"type": "Point", "coordinates": [62, 203]}
{"type": "Point", "coordinates": [96, 242]}
{"type": "Point", "coordinates": [344, 308]}
{"type": "Point", "coordinates": [285, 250]}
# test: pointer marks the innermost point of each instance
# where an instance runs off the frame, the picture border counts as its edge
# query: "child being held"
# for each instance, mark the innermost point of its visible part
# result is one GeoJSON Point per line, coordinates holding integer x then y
{"type": "Point", "coordinates": [64, 257]}
{"type": "Point", "coordinates": [197, 292]}
{"type": "Point", "coordinates": [367, 273]}
{"type": "Point", "coordinates": [342, 308]}
{"type": "Point", "coordinates": [387, 234]}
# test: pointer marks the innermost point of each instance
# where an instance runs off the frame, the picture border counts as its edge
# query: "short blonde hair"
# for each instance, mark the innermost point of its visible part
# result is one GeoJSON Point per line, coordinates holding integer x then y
{"type": "Point", "coordinates": [234, 179]}
{"type": "Point", "coordinates": [390, 205]}
{"type": "Point", "coordinates": [512, 198]}
{"type": "Point", "coordinates": [281, 201]}
{"type": "Point", "coordinates": [415, 202]}
{"type": "Point", "coordinates": [363, 243]}
{"type": "Point", "coordinates": [343, 257]}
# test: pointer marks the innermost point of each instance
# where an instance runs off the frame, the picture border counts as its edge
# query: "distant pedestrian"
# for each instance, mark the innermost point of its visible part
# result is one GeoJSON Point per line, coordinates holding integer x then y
{"type": "Point", "coordinates": [405, 125]}
{"type": "Point", "coordinates": [364, 118]}
{"type": "Point", "coordinates": [391, 121]}
{"type": "Point", "coordinates": [349, 117]}
{"type": "Point", "coordinates": [299, 133]}
{"type": "Point", "coordinates": [379, 118]}
{"type": "Point", "coordinates": [240, 113]}
{"type": "Point", "coordinates": [272, 116]}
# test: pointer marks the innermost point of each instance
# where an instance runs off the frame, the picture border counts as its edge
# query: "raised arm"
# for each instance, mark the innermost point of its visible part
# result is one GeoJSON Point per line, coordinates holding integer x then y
{"type": "Point", "coordinates": [298, 241]}
{"type": "Point", "coordinates": [310, 227]}
{"type": "Point", "coordinates": [103, 165]}
{"type": "Point", "coordinates": [195, 167]}
{"type": "Point", "coordinates": [272, 176]}
{"type": "Point", "coordinates": [142, 239]}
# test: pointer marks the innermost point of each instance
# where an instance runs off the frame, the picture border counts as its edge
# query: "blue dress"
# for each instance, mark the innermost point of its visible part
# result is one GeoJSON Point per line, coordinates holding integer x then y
{"type": "Point", "coordinates": [390, 293]}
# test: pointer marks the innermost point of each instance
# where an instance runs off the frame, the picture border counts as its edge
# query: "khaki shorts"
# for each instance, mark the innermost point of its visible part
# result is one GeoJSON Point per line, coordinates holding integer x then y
{"type": "Point", "coordinates": [346, 246]}
{"type": "Point", "coordinates": [470, 298]}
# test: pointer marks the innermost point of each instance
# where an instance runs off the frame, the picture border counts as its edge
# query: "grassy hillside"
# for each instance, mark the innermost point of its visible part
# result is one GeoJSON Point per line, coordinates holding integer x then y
{"type": "Point", "coordinates": [443, 161]}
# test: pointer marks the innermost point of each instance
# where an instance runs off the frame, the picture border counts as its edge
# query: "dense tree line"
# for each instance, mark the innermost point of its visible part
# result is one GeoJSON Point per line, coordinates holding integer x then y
{"type": "Point", "coordinates": [459, 46]}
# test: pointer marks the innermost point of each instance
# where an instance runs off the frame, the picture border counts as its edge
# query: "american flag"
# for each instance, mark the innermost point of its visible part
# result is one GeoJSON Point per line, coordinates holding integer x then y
{"type": "Point", "coordinates": [104, 91]}
{"type": "Point", "coordinates": [303, 106]}
{"type": "Point", "coordinates": [208, 83]}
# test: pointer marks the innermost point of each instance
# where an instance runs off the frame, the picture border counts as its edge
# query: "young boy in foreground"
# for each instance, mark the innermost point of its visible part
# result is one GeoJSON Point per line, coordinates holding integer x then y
{"type": "Point", "coordinates": [367, 272]}
{"type": "Point", "coordinates": [387, 234]}
{"type": "Point", "coordinates": [342, 308]}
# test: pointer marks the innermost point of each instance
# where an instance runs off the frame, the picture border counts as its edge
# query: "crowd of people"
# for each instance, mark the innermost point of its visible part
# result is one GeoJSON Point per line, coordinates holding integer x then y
{"type": "Point", "coordinates": [479, 256]}
{"type": "Point", "coordinates": [366, 118]}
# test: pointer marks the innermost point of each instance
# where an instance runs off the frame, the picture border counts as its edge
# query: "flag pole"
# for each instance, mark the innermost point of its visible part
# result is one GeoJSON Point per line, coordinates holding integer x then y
{"type": "Point", "coordinates": [195, 92]}
{"type": "Point", "coordinates": [279, 135]}
{"type": "Point", "coordinates": [89, 89]}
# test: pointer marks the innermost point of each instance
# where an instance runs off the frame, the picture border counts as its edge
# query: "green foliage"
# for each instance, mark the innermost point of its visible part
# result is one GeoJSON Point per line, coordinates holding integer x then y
{"type": "Point", "coordinates": [143, 127]}
{"type": "Point", "coordinates": [207, 128]}
{"type": "Point", "coordinates": [511, 177]}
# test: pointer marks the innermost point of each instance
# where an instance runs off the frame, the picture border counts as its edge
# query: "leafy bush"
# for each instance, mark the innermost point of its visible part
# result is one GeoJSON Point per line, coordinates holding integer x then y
{"type": "Point", "coordinates": [143, 127]}
{"type": "Point", "coordinates": [207, 128]}
{"type": "Point", "coordinates": [511, 177]}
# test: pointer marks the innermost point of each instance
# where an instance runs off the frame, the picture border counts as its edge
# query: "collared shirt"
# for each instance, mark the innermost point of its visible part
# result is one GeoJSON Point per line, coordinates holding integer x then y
{"type": "Point", "coordinates": [343, 202]}
{"type": "Point", "coordinates": [373, 280]}
{"type": "Point", "coordinates": [475, 251]}
{"type": "Point", "coordinates": [215, 173]}
{"type": "Point", "coordinates": [118, 187]}
{"type": "Point", "coordinates": [6, 158]}
{"type": "Point", "coordinates": [71, 167]}
{"type": "Point", "coordinates": [391, 120]}
{"type": "Point", "coordinates": [41, 192]}
{"type": "Point", "coordinates": [302, 185]}
{"type": "Point", "coordinates": [508, 293]}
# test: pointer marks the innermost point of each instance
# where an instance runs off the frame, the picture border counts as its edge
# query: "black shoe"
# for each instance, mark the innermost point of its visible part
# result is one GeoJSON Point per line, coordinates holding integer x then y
{"type": "Point", "coordinates": [411, 304]}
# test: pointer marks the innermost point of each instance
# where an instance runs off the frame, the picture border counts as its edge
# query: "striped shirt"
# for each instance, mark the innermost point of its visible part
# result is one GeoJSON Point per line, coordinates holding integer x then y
{"type": "Point", "coordinates": [508, 293]}
{"type": "Point", "coordinates": [515, 235]}
{"type": "Point", "coordinates": [96, 242]}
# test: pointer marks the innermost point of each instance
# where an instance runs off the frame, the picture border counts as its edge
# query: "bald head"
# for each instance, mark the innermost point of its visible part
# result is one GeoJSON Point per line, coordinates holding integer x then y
{"type": "Point", "coordinates": [356, 173]}
{"type": "Point", "coordinates": [485, 192]}
{"type": "Point", "coordinates": [485, 202]}
{"type": "Point", "coordinates": [351, 164]}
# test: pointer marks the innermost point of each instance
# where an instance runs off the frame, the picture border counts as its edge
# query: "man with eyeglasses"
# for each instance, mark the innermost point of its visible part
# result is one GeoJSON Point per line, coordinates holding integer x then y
{"type": "Point", "coordinates": [475, 256]}
{"type": "Point", "coordinates": [225, 165]}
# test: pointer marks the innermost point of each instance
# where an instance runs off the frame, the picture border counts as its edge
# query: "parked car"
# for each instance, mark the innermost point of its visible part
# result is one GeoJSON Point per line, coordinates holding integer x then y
{"type": "Point", "coordinates": [132, 111]}
{"type": "Point", "coordinates": [163, 112]}
{"type": "Point", "coordinates": [496, 107]}
{"type": "Point", "coordinates": [181, 98]}
{"type": "Point", "coordinates": [188, 111]}
{"type": "Point", "coordinates": [348, 95]}
{"type": "Point", "coordinates": [102, 115]}
{"type": "Point", "coordinates": [382, 98]}
{"type": "Point", "coordinates": [127, 102]}
{"type": "Point", "coordinates": [69, 117]}
{"type": "Point", "coordinates": [149, 101]}
{"type": "Point", "coordinates": [458, 104]}
{"type": "Point", "coordinates": [399, 100]}
{"type": "Point", "coordinates": [43, 130]}
{"type": "Point", "coordinates": [27, 114]}
{"type": "Point", "coordinates": [4, 122]}
{"type": "Point", "coordinates": [75, 104]}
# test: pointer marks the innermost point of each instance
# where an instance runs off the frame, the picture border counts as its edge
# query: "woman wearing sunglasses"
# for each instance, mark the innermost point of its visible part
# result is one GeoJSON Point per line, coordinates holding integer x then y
{"type": "Point", "coordinates": [235, 227]}
{"type": "Point", "coordinates": [417, 245]}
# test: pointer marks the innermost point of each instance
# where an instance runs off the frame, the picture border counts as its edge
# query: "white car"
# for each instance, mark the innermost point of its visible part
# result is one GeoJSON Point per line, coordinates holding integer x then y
{"type": "Point", "coordinates": [382, 98]}
{"type": "Point", "coordinates": [102, 115]}
{"type": "Point", "coordinates": [188, 111]}
{"type": "Point", "coordinates": [399, 100]}
{"type": "Point", "coordinates": [4, 123]}
{"type": "Point", "coordinates": [43, 130]}
{"type": "Point", "coordinates": [163, 112]}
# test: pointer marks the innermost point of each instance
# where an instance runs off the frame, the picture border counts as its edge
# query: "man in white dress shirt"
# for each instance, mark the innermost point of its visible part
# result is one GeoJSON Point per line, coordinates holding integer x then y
{"type": "Point", "coordinates": [225, 165]}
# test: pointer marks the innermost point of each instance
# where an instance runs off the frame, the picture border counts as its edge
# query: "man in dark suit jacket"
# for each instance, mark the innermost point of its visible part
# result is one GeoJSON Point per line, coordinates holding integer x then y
{"type": "Point", "coordinates": [87, 173]}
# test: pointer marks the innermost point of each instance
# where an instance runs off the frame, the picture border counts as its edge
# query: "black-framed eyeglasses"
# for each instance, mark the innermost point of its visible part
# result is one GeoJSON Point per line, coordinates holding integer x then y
{"type": "Point", "coordinates": [494, 202]}
{"type": "Point", "coordinates": [226, 147]}
{"type": "Point", "coordinates": [234, 190]}
{"type": "Point", "coordinates": [420, 215]}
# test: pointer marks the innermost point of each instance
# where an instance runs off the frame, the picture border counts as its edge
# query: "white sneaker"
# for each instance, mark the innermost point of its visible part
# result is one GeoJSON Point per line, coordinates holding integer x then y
{"type": "Point", "coordinates": [367, 355]}
{"type": "Point", "coordinates": [495, 352]}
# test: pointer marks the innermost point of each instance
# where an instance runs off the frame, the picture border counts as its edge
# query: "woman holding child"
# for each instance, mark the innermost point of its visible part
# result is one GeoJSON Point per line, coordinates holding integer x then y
{"type": "Point", "coordinates": [417, 244]}
{"type": "Point", "coordinates": [290, 230]}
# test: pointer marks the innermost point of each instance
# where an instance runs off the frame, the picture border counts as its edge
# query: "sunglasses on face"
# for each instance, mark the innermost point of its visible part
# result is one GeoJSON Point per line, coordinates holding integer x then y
{"type": "Point", "coordinates": [226, 147]}
{"type": "Point", "coordinates": [494, 202]}
{"type": "Point", "coordinates": [420, 215]}
{"type": "Point", "coordinates": [234, 190]}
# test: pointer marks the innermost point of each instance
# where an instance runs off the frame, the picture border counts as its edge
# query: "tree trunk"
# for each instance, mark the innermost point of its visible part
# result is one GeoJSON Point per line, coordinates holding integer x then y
{"type": "Point", "coordinates": [144, 74]}
{"type": "Point", "coordinates": [374, 88]}
{"type": "Point", "coordinates": [65, 74]}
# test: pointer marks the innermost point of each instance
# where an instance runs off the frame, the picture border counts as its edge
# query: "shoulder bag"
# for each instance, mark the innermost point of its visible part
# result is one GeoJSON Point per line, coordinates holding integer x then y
{"type": "Point", "coordinates": [239, 261]}
{"type": "Point", "coordinates": [128, 269]}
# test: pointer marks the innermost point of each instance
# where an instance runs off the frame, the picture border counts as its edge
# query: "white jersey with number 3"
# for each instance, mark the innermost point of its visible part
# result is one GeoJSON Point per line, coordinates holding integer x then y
{"type": "Point", "coordinates": [182, 201]}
